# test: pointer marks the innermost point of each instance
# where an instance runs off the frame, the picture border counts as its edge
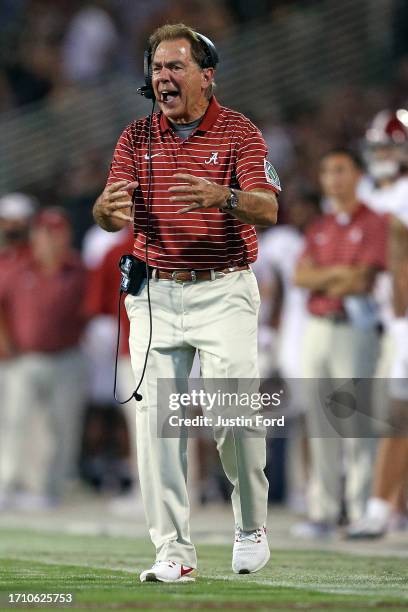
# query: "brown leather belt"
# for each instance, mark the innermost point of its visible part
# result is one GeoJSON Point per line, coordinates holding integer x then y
{"type": "Point", "coordinates": [192, 276]}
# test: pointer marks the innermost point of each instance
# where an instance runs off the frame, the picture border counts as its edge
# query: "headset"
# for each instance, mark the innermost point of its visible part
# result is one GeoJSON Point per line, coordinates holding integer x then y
{"type": "Point", "coordinates": [210, 61]}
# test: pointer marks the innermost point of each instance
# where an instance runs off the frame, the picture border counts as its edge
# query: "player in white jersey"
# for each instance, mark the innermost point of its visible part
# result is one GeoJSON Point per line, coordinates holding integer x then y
{"type": "Point", "coordinates": [385, 190]}
{"type": "Point", "coordinates": [389, 195]}
{"type": "Point", "coordinates": [279, 251]}
{"type": "Point", "coordinates": [391, 468]}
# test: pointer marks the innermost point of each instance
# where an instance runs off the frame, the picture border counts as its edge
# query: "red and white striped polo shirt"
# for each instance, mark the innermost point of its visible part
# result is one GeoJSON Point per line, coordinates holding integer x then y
{"type": "Point", "coordinates": [330, 241]}
{"type": "Point", "coordinates": [225, 148]}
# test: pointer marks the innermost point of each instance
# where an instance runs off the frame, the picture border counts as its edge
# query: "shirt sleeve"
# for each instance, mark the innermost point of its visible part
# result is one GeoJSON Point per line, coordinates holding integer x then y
{"type": "Point", "coordinates": [253, 169]}
{"type": "Point", "coordinates": [123, 165]}
{"type": "Point", "coordinates": [375, 243]}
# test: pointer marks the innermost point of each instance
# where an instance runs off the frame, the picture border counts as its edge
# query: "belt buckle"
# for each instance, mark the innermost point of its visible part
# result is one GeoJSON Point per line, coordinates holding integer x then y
{"type": "Point", "coordinates": [174, 276]}
{"type": "Point", "coordinates": [176, 272]}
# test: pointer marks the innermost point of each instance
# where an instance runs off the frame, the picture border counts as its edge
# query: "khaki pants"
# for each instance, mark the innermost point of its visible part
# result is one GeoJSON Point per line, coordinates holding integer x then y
{"type": "Point", "coordinates": [337, 350]}
{"type": "Point", "coordinates": [42, 390]}
{"type": "Point", "coordinates": [219, 319]}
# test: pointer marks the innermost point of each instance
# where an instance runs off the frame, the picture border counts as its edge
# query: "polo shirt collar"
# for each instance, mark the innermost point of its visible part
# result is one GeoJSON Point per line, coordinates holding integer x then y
{"type": "Point", "coordinates": [210, 116]}
{"type": "Point", "coordinates": [343, 218]}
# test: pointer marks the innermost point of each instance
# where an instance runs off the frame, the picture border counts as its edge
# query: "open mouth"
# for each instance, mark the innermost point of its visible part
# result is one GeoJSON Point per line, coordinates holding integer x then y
{"type": "Point", "coordinates": [169, 96]}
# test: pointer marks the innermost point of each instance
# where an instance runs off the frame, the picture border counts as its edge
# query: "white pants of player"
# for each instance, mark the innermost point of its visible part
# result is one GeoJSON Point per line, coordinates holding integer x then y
{"type": "Point", "coordinates": [54, 385]}
{"type": "Point", "coordinates": [337, 350]}
{"type": "Point", "coordinates": [219, 319]}
{"type": "Point", "coordinates": [4, 377]}
{"type": "Point", "coordinates": [292, 328]}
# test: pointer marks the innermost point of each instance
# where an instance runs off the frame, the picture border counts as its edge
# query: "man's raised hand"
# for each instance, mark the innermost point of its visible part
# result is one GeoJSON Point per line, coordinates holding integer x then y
{"type": "Point", "coordinates": [112, 208]}
{"type": "Point", "coordinates": [200, 192]}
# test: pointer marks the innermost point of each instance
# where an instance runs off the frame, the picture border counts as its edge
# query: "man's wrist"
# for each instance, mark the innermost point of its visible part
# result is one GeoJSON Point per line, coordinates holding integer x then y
{"type": "Point", "coordinates": [231, 200]}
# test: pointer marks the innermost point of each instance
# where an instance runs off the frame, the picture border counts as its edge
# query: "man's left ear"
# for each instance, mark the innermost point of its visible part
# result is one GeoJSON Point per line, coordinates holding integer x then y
{"type": "Point", "coordinates": [208, 74]}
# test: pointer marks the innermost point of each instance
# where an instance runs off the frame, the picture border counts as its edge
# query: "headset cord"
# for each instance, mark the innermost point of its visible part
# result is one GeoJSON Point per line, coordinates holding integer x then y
{"type": "Point", "coordinates": [136, 394]}
{"type": "Point", "coordinates": [138, 397]}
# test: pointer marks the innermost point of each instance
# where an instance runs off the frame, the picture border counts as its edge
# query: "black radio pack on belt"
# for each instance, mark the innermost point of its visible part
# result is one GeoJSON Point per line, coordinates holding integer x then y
{"type": "Point", "coordinates": [133, 273]}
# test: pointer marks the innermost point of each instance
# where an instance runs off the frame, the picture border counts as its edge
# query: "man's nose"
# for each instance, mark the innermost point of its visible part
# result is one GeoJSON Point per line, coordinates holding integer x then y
{"type": "Point", "coordinates": [163, 75]}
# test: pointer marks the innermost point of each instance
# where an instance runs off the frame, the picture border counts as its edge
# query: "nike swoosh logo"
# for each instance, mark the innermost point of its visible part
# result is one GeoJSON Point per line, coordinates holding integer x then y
{"type": "Point", "coordinates": [151, 156]}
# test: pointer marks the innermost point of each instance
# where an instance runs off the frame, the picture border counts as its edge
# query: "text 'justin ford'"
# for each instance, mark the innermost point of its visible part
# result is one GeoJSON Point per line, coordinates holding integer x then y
{"type": "Point", "coordinates": [239, 421]}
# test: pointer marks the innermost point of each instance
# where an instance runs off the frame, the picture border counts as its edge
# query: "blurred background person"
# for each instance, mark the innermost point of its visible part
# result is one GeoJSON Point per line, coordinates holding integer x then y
{"type": "Point", "coordinates": [343, 253]}
{"type": "Point", "coordinates": [387, 507]}
{"type": "Point", "coordinates": [385, 149]}
{"type": "Point", "coordinates": [103, 301]}
{"type": "Point", "coordinates": [385, 190]}
{"type": "Point", "coordinates": [90, 47]}
{"type": "Point", "coordinates": [16, 210]}
{"type": "Point", "coordinates": [279, 250]}
{"type": "Point", "coordinates": [42, 303]}
{"type": "Point", "coordinates": [103, 462]}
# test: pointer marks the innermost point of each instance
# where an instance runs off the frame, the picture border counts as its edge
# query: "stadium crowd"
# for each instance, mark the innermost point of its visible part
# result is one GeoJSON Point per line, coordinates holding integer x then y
{"type": "Point", "coordinates": [332, 275]}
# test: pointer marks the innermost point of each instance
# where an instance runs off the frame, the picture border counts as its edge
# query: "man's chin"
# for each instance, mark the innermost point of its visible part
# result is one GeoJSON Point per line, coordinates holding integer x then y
{"type": "Point", "coordinates": [172, 113]}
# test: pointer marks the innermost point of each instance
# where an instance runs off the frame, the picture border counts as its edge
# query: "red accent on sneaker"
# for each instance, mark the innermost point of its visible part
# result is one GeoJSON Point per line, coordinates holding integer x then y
{"type": "Point", "coordinates": [185, 570]}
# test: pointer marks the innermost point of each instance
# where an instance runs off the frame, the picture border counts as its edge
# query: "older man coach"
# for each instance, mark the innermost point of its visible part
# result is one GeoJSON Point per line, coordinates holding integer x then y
{"type": "Point", "coordinates": [211, 182]}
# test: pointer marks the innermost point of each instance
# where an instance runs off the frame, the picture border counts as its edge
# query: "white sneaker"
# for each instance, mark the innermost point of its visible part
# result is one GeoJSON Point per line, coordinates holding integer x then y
{"type": "Point", "coordinates": [168, 571]}
{"type": "Point", "coordinates": [366, 528]}
{"type": "Point", "coordinates": [251, 551]}
{"type": "Point", "coordinates": [374, 522]}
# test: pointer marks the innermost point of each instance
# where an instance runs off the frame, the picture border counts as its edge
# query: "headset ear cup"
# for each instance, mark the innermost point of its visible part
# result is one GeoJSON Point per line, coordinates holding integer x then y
{"type": "Point", "coordinates": [147, 69]}
{"type": "Point", "coordinates": [211, 52]}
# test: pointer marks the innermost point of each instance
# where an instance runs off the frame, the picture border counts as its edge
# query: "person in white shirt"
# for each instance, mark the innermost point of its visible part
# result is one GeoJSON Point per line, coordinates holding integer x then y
{"type": "Point", "coordinates": [389, 494]}
{"type": "Point", "coordinates": [279, 251]}
{"type": "Point", "coordinates": [386, 192]}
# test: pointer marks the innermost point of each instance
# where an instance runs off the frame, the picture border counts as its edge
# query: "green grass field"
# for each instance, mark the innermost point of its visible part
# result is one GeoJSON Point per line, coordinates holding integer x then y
{"type": "Point", "coordinates": [102, 573]}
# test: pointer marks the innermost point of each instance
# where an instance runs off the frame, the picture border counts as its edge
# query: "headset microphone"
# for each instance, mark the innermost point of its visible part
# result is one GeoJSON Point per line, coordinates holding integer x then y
{"type": "Point", "coordinates": [145, 91]}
